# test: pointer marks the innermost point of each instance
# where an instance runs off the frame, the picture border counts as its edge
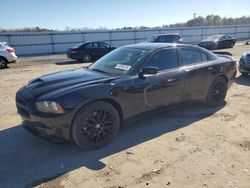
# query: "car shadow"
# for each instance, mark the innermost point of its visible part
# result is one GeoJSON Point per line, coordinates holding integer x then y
{"type": "Point", "coordinates": [27, 161]}
{"type": "Point", "coordinates": [243, 80]}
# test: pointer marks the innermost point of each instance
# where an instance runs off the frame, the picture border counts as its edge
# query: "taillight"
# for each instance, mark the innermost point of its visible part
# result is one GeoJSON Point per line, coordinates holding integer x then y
{"type": "Point", "coordinates": [73, 51]}
{"type": "Point", "coordinates": [10, 50]}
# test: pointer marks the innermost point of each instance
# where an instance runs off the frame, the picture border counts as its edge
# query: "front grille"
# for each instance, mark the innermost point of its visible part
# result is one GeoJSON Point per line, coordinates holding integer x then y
{"type": "Point", "coordinates": [23, 112]}
{"type": "Point", "coordinates": [20, 101]}
{"type": "Point", "coordinates": [248, 60]}
{"type": "Point", "coordinates": [22, 106]}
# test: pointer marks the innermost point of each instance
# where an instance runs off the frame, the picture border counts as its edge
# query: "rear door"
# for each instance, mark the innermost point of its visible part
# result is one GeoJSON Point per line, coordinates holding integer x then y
{"type": "Point", "coordinates": [104, 48]}
{"type": "Point", "coordinates": [96, 50]}
{"type": "Point", "coordinates": [166, 87]}
{"type": "Point", "coordinates": [198, 72]}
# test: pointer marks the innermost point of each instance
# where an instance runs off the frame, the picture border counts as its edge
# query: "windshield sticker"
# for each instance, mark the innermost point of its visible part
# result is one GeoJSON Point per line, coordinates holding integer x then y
{"type": "Point", "coordinates": [122, 67]}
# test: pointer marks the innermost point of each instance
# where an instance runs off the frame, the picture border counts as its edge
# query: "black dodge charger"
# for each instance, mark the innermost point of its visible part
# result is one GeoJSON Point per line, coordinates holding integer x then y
{"type": "Point", "coordinates": [89, 51]}
{"type": "Point", "coordinates": [88, 105]}
{"type": "Point", "coordinates": [218, 42]}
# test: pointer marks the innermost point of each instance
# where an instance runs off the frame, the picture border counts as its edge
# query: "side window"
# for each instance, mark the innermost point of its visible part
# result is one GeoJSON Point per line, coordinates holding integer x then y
{"type": "Point", "coordinates": [162, 39]}
{"type": "Point", "coordinates": [95, 45]}
{"type": "Point", "coordinates": [88, 45]}
{"type": "Point", "coordinates": [223, 37]}
{"type": "Point", "coordinates": [103, 45]}
{"type": "Point", "coordinates": [164, 59]}
{"type": "Point", "coordinates": [204, 56]}
{"type": "Point", "coordinates": [190, 56]}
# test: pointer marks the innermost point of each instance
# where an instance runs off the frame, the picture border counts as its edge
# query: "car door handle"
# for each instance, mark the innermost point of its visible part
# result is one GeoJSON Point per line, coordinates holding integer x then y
{"type": "Point", "coordinates": [171, 79]}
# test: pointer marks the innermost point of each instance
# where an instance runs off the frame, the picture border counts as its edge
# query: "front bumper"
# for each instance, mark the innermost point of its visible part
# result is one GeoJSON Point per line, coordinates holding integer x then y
{"type": "Point", "coordinates": [50, 128]}
{"type": "Point", "coordinates": [53, 126]}
{"type": "Point", "coordinates": [244, 68]}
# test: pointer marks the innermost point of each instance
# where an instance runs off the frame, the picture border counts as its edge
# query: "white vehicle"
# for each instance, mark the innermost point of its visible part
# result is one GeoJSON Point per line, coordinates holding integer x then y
{"type": "Point", "coordinates": [7, 55]}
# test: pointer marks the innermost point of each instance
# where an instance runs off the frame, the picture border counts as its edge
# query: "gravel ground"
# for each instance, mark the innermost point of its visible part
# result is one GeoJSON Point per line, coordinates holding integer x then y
{"type": "Point", "coordinates": [190, 146]}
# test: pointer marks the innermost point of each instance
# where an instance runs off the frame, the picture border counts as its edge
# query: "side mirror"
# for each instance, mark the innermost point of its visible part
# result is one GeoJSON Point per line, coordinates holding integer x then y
{"type": "Point", "coordinates": [148, 70]}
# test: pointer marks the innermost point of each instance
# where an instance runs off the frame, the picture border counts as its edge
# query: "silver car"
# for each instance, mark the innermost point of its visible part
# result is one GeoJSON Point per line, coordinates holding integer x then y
{"type": "Point", "coordinates": [7, 55]}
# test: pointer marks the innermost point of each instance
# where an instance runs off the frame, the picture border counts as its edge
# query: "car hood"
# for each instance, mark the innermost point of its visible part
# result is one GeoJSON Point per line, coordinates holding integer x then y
{"type": "Point", "coordinates": [65, 80]}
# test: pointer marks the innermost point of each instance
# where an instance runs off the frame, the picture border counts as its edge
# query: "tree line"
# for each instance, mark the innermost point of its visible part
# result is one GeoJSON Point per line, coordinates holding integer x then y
{"type": "Point", "coordinates": [209, 20]}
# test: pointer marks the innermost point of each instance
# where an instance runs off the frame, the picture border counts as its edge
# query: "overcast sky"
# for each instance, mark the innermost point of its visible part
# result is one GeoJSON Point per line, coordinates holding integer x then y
{"type": "Point", "coordinates": [57, 14]}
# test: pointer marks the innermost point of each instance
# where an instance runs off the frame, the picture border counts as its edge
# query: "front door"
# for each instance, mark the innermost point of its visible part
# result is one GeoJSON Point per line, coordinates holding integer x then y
{"type": "Point", "coordinates": [166, 87]}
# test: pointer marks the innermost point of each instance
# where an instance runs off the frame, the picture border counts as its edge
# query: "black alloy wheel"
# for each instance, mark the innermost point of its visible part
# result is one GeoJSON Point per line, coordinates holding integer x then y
{"type": "Point", "coordinates": [217, 92]}
{"type": "Point", "coordinates": [95, 125]}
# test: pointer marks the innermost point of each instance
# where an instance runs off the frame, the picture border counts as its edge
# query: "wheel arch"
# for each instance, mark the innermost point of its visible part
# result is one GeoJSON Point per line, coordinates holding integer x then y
{"type": "Point", "coordinates": [4, 58]}
{"type": "Point", "coordinates": [114, 103]}
{"type": "Point", "coordinates": [222, 76]}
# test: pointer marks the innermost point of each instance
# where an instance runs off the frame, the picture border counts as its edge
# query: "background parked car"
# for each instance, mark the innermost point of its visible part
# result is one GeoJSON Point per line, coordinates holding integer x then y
{"type": "Point", "coordinates": [168, 38]}
{"type": "Point", "coordinates": [89, 51]}
{"type": "Point", "coordinates": [244, 64]}
{"type": "Point", "coordinates": [7, 55]}
{"type": "Point", "coordinates": [217, 42]}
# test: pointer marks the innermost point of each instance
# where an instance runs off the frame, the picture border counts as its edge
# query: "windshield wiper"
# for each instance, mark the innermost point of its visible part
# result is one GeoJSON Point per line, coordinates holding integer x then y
{"type": "Point", "coordinates": [98, 70]}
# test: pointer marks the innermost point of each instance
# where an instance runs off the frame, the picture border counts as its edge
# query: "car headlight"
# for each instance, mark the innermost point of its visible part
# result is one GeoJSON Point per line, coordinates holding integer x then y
{"type": "Point", "coordinates": [242, 61]}
{"type": "Point", "coordinates": [49, 107]}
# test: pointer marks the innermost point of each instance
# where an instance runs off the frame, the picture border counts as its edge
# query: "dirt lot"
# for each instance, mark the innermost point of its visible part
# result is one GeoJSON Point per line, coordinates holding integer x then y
{"type": "Point", "coordinates": [191, 146]}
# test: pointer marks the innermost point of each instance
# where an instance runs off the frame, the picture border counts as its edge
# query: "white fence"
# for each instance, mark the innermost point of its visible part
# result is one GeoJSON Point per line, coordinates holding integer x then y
{"type": "Point", "coordinates": [36, 43]}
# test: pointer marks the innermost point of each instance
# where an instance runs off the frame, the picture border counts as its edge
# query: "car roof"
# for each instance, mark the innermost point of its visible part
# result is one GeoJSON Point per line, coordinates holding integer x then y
{"type": "Point", "coordinates": [155, 46]}
{"type": "Point", "coordinates": [167, 34]}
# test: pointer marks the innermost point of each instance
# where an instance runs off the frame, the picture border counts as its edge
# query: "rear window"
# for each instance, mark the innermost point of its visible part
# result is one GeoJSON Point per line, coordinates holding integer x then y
{"type": "Point", "coordinates": [190, 56]}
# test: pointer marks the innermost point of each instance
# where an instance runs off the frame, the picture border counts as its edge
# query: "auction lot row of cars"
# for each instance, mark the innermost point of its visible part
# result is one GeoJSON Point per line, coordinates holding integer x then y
{"type": "Point", "coordinates": [89, 105]}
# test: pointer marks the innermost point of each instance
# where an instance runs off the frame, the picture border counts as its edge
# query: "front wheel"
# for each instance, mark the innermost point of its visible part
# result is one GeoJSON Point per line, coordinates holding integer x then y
{"type": "Point", "coordinates": [95, 125]}
{"type": "Point", "coordinates": [217, 92]}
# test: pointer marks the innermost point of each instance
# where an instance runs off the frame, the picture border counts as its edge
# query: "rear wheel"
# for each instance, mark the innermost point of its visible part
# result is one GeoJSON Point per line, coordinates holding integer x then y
{"type": "Point", "coordinates": [3, 63]}
{"type": "Point", "coordinates": [86, 58]}
{"type": "Point", "coordinates": [217, 92]}
{"type": "Point", "coordinates": [95, 125]}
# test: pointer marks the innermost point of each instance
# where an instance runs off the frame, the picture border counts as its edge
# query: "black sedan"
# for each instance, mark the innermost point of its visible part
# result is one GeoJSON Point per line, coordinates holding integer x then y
{"type": "Point", "coordinates": [244, 64]}
{"type": "Point", "coordinates": [89, 51]}
{"type": "Point", "coordinates": [218, 42]}
{"type": "Point", "coordinates": [90, 104]}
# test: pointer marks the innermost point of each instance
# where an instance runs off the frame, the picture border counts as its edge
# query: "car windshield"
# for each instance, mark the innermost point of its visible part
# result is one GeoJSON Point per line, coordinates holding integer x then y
{"type": "Point", "coordinates": [151, 39]}
{"type": "Point", "coordinates": [120, 61]}
{"type": "Point", "coordinates": [214, 37]}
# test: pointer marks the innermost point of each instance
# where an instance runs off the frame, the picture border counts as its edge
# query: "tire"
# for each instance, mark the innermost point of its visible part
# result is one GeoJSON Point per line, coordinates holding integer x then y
{"type": "Point", "coordinates": [3, 63]}
{"type": "Point", "coordinates": [86, 58]}
{"type": "Point", "coordinates": [217, 92]}
{"type": "Point", "coordinates": [95, 125]}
